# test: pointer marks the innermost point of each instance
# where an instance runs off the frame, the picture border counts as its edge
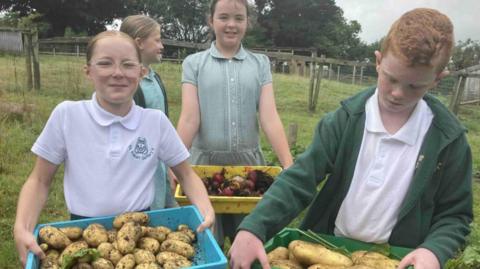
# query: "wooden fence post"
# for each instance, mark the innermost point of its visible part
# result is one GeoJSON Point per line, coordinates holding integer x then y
{"type": "Point", "coordinates": [36, 61]}
{"type": "Point", "coordinates": [317, 88]}
{"type": "Point", "coordinates": [28, 58]}
{"type": "Point", "coordinates": [338, 73]}
{"type": "Point", "coordinates": [329, 71]}
{"type": "Point", "coordinates": [312, 84]}
{"type": "Point", "coordinates": [361, 74]}
{"type": "Point", "coordinates": [457, 95]}
{"type": "Point", "coordinates": [354, 74]}
{"type": "Point", "coordinates": [292, 134]}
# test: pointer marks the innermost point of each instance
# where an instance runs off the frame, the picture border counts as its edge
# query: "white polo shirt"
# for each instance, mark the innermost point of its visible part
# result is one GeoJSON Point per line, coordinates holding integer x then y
{"type": "Point", "coordinates": [109, 160]}
{"type": "Point", "coordinates": [382, 175]}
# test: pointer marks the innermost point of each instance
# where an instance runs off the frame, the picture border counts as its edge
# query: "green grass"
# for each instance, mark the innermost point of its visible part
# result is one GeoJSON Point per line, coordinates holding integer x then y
{"type": "Point", "coordinates": [62, 78]}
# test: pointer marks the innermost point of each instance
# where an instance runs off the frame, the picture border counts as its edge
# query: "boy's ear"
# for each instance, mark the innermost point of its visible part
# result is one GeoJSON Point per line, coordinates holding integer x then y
{"type": "Point", "coordinates": [378, 59]}
{"type": "Point", "coordinates": [86, 70]}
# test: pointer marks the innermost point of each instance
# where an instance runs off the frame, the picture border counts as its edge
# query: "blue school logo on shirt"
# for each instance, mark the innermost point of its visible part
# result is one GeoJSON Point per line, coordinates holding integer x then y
{"type": "Point", "coordinates": [141, 150]}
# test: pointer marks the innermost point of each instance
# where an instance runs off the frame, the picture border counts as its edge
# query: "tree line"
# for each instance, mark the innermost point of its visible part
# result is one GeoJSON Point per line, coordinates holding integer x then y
{"type": "Point", "coordinates": [316, 24]}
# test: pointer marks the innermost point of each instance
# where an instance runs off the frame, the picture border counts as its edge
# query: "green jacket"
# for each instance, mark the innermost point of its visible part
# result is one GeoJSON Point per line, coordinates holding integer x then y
{"type": "Point", "coordinates": [436, 211]}
{"type": "Point", "coordinates": [139, 97]}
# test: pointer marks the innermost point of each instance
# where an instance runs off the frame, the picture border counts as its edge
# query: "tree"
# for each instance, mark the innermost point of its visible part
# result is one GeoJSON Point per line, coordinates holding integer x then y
{"type": "Point", "coordinates": [184, 20]}
{"type": "Point", "coordinates": [465, 54]}
{"type": "Point", "coordinates": [82, 15]}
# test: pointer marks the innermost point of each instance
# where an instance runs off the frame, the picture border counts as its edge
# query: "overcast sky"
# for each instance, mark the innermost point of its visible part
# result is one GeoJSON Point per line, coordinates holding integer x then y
{"type": "Point", "coordinates": [376, 16]}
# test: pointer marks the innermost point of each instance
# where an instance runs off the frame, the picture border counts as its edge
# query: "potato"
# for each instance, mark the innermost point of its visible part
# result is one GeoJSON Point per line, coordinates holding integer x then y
{"type": "Point", "coordinates": [145, 230]}
{"type": "Point", "coordinates": [143, 256]}
{"type": "Point", "coordinates": [150, 265]}
{"type": "Point", "coordinates": [177, 264]}
{"type": "Point", "coordinates": [280, 253]}
{"type": "Point", "coordinates": [166, 256]}
{"type": "Point", "coordinates": [54, 254]}
{"type": "Point", "coordinates": [128, 236]}
{"type": "Point", "coordinates": [137, 217]}
{"type": "Point", "coordinates": [323, 266]}
{"type": "Point", "coordinates": [44, 247]}
{"type": "Point", "coordinates": [127, 262]}
{"type": "Point", "coordinates": [286, 264]}
{"type": "Point", "coordinates": [82, 265]}
{"type": "Point", "coordinates": [49, 263]}
{"type": "Point", "coordinates": [185, 229]}
{"type": "Point", "coordinates": [309, 253]}
{"type": "Point", "coordinates": [178, 247]}
{"type": "Point", "coordinates": [102, 263]}
{"type": "Point", "coordinates": [104, 249]}
{"type": "Point", "coordinates": [95, 234]}
{"type": "Point", "coordinates": [374, 259]}
{"type": "Point", "coordinates": [54, 237]}
{"type": "Point", "coordinates": [149, 243]}
{"type": "Point", "coordinates": [159, 233]}
{"type": "Point", "coordinates": [112, 236]}
{"type": "Point", "coordinates": [180, 236]}
{"type": "Point", "coordinates": [73, 233]}
{"type": "Point", "coordinates": [72, 248]}
{"type": "Point", "coordinates": [359, 266]}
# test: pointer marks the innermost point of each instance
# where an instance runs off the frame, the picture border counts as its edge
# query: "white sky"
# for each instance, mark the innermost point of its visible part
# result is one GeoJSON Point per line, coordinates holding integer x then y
{"type": "Point", "coordinates": [376, 16]}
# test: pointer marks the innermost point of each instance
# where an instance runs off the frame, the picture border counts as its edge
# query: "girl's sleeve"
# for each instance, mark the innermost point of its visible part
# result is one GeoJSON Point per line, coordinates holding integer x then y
{"type": "Point", "coordinates": [265, 72]}
{"type": "Point", "coordinates": [50, 145]}
{"type": "Point", "coordinates": [189, 70]}
{"type": "Point", "coordinates": [171, 151]}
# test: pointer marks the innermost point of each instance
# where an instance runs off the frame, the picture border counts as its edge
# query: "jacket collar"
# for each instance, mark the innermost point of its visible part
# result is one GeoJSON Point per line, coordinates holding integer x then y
{"type": "Point", "coordinates": [443, 119]}
{"type": "Point", "coordinates": [105, 118]}
{"type": "Point", "coordinates": [240, 55]}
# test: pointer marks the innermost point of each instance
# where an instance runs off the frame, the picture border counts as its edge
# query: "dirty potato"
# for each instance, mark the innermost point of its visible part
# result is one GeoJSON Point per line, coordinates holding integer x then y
{"type": "Point", "coordinates": [143, 256]}
{"type": "Point", "coordinates": [72, 248]}
{"type": "Point", "coordinates": [150, 265]}
{"type": "Point", "coordinates": [323, 266]}
{"type": "Point", "coordinates": [185, 229]}
{"type": "Point", "coordinates": [54, 237]}
{"type": "Point", "coordinates": [159, 233]}
{"type": "Point", "coordinates": [127, 262]}
{"type": "Point", "coordinates": [44, 247]}
{"type": "Point", "coordinates": [54, 254]}
{"type": "Point", "coordinates": [73, 233]}
{"type": "Point", "coordinates": [149, 243]}
{"type": "Point", "coordinates": [82, 265]}
{"type": "Point", "coordinates": [286, 264]}
{"type": "Point", "coordinates": [95, 234]}
{"type": "Point", "coordinates": [279, 253]}
{"type": "Point", "coordinates": [374, 259]}
{"type": "Point", "coordinates": [112, 236]}
{"type": "Point", "coordinates": [49, 263]}
{"type": "Point", "coordinates": [180, 236]}
{"type": "Point", "coordinates": [177, 264]}
{"type": "Point", "coordinates": [309, 253]}
{"type": "Point", "coordinates": [128, 236]}
{"type": "Point", "coordinates": [166, 256]}
{"type": "Point", "coordinates": [178, 247]}
{"type": "Point", "coordinates": [138, 217]}
{"type": "Point", "coordinates": [102, 263]}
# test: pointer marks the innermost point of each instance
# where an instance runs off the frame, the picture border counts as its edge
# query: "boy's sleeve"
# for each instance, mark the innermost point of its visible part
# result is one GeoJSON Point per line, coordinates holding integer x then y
{"type": "Point", "coordinates": [453, 208]}
{"type": "Point", "coordinates": [295, 188]}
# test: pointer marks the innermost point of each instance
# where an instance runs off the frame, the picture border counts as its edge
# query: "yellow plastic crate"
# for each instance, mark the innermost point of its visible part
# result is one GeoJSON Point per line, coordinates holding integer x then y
{"type": "Point", "coordinates": [228, 204]}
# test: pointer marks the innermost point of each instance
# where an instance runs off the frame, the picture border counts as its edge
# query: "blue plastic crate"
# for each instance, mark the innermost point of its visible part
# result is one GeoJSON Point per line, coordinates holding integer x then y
{"type": "Point", "coordinates": [208, 253]}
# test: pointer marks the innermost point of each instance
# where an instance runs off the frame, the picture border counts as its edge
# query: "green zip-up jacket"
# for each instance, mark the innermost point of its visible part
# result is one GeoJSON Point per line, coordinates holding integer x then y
{"type": "Point", "coordinates": [435, 213]}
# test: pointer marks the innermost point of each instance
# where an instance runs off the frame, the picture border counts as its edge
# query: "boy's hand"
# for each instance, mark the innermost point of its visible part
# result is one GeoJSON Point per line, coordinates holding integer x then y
{"type": "Point", "coordinates": [25, 241]}
{"type": "Point", "coordinates": [420, 258]}
{"type": "Point", "coordinates": [246, 248]}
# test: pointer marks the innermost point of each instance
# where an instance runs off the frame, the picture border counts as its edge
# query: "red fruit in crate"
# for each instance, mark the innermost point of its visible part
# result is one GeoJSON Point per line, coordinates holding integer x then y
{"type": "Point", "coordinates": [252, 175]}
{"type": "Point", "coordinates": [218, 177]}
{"type": "Point", "coordinates": [228, 191]}
{"type": "Point", "coordinates": [215, 184]}
{"type": "Point", "coordinates": [250, 185]}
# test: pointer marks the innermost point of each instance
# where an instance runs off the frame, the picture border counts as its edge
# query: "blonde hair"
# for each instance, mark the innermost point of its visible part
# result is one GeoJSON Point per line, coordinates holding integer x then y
{"type": "Point", "coordinates": [421, 36]}
{"type": "Point", "coordinates": [109, 34]}
{"type": "Point", "coordinates": [139, 26]}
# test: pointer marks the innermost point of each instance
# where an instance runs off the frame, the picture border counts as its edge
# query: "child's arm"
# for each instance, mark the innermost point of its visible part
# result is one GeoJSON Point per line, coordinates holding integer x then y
{"type": "Point", "coordinates": [273, 127]}
{"type": "Point", "coordinates": [32, 198]}
{"type": "Point", "coordinates": [193, 187]}
{"type": "Point", "coordinates": [189, 121]}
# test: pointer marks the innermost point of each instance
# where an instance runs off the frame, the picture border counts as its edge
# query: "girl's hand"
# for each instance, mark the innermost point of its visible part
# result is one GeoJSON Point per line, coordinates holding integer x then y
{"type": "Point", "coordinates": [246, 248]}
{"type": "Point", "coordinates": [25, 241]}
{"type": "Point", "coordinates": [209, 221]}
{"type": "Point", "coordinates": [420, 258]}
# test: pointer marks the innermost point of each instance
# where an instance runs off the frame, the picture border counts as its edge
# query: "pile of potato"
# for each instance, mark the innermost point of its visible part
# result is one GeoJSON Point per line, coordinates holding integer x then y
{"type": "Point", "coordinates": [301, 254]}
{"type": "Point", "coordinates": [130, 244]}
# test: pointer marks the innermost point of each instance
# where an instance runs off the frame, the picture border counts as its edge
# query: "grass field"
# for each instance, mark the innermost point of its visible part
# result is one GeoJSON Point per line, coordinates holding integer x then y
{"type": "Point", "coordinates": [62, 78]}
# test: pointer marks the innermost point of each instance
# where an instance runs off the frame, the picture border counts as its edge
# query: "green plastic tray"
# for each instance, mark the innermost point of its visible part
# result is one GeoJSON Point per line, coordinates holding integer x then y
{"type": "Point", "coordinates": [284, 237]}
